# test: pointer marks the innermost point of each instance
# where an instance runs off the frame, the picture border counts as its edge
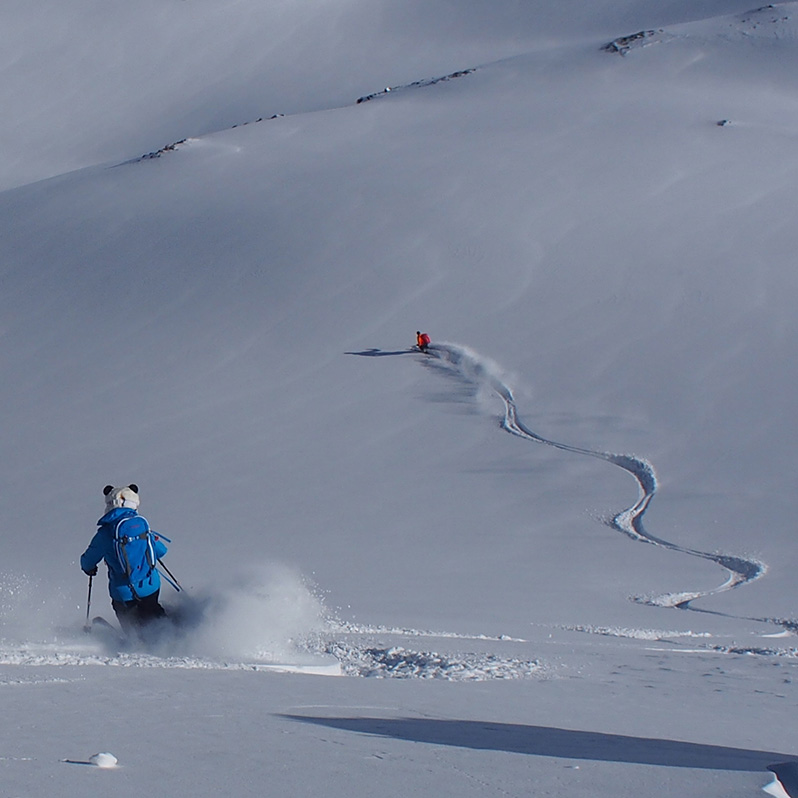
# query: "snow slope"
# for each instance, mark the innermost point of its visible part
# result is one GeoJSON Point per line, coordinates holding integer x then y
{"type": "Point", "coordinates": [217, 302]}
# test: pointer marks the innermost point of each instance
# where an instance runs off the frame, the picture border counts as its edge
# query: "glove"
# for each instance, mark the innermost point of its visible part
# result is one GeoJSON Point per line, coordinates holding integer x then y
{"type": "Point", "coordinates": [92, 572]}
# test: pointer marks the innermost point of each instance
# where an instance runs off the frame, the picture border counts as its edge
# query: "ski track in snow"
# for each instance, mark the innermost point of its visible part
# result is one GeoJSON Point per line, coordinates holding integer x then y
{"type": "Point", "coordinates": [397, 662]}
{"type": "Point", "coordinates": [473, 369]}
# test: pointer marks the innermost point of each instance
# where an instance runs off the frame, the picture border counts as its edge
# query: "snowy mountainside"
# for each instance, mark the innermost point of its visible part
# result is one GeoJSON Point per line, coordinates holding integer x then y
{"type": "Point", "coordinates": [606, 273]}
{"type": "Point", "coordinates": [101, 82]}
{"type": "Point", "coordinates": [409, 209]}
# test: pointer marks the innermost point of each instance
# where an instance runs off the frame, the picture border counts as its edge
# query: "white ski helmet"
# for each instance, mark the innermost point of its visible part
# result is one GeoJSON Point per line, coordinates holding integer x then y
{"type": "Point", "coordinates": [121, 497]}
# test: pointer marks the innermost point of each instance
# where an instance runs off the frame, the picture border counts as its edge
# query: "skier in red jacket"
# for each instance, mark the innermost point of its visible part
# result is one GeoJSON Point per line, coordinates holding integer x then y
{"type": "Point", "coordinates": [422, 341]}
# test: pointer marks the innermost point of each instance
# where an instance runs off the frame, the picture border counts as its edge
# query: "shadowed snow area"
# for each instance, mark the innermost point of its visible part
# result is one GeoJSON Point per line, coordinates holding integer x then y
{"type": "Point", "coordinates": [563, 743]}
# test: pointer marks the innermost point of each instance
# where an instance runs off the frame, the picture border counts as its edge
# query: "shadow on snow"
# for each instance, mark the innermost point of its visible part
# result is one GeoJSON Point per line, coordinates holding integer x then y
{"type": "Point", "coordinates": [382, 352]}
{"type": "Point", "coordinates": [558, 743]}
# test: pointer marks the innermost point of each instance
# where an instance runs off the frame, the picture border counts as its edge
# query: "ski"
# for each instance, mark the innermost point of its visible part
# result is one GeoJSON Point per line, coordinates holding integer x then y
{"type": "Point", "coordinates": [108, 629]}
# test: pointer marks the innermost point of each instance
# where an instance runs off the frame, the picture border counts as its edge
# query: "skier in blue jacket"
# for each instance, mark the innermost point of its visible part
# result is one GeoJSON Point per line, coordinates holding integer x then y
{"type": "Point", "coordinates": [134, 604]}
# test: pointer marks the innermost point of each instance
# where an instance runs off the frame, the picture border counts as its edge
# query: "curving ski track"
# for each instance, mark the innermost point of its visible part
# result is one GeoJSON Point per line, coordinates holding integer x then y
{"type": "Point", "coordinates": [469, 367]}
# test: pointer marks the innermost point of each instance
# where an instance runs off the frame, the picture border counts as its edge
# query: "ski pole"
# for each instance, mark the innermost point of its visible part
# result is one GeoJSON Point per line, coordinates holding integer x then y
{"type": "Point", "coordinates": [172, 579]}
{"type": "Point", "coordinates": [87, 625]}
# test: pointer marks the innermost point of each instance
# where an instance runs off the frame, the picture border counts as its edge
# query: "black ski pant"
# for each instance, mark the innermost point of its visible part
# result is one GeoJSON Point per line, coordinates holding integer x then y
{"type": "Point", "coordinates": [134, 614]}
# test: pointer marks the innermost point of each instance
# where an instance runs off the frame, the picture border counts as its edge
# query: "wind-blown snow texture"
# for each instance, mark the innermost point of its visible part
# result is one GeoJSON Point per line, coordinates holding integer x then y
{"type": "Point", "coordinates": [221, 225]}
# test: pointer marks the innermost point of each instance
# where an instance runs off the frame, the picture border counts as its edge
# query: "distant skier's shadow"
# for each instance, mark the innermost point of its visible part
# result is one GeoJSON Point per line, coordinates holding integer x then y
{"type": "Point", "coordinates": [382, 353]}
{"type": "Point", "coordinates": [558, 743]}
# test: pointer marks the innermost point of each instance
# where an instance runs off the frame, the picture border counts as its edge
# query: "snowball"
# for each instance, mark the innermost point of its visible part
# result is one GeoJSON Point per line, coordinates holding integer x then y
{"type": "Point", "coordinates": [105, 760]}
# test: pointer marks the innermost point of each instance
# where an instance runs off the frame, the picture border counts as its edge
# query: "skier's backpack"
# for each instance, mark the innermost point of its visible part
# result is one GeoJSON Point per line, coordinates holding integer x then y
{"type": "Point", "coordinates": [134, 543]}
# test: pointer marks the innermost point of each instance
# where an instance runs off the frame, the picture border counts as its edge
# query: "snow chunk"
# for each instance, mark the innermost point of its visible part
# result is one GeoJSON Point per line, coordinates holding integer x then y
{"type": "Point", "coordinates": [103, 760]}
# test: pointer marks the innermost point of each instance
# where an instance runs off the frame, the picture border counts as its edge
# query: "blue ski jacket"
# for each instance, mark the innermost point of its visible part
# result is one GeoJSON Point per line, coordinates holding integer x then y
{"type": "Point", "coordinates": [102, 548]}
